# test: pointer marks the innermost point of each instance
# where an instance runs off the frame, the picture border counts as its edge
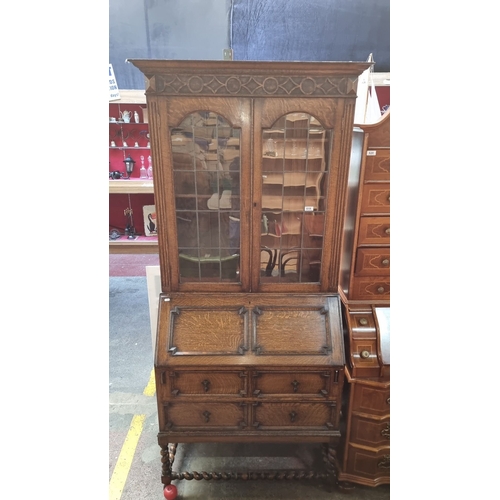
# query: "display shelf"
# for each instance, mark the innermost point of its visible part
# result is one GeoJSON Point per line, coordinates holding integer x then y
{"type": "Point", "coordinates": [131, 186]}
{"type": "Point", "coordinates": [133, 193]}
{"type": "Point", "coordinates": [132, 96]}
{"type": "Point", "coordinates": [141, 244]}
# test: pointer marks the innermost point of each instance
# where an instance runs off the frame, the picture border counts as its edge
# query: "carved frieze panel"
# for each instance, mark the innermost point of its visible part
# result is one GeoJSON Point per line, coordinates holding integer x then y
{"type": "Point", "coordinates": [251, 85]}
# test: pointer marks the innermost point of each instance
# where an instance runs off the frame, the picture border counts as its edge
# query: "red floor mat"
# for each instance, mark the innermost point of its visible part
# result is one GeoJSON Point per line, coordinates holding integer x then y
{"type": "Point", "coordinates": [131, 264]}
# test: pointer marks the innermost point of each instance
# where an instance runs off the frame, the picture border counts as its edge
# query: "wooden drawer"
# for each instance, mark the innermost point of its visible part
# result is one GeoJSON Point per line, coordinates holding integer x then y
{"type": "Point", "coordinates": [374, 231]}
{"type": "Point", "coordinates": [364, 357]}
{"type": "Point", "coordinates": [369, 432]}
{"type": "Point", "coordinates": [370, 288]}
{"type": "Point", "coordinates": [208, 383]}
{"type": "Point", "coordinates": [378, 165]}
{"type": "Point", "coordinates": [370, 400]}
{"type": "Point", "coordinates": [203, 416]}
{"type": "Point", "coordinates": [369, 464]}
{"type": "Point", "coordinates": [372, 262]}
{"type": "Point", "coordinates": [283, 415]}
{"type": "Point", "coordinates": [376, 198]}
{"type": "Point", "coordinates": [297, 384]}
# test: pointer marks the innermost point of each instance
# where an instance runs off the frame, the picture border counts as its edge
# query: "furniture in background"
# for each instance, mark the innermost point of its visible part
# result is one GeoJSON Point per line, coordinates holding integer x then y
{"type": "Point", "coordinates": [365, 292]}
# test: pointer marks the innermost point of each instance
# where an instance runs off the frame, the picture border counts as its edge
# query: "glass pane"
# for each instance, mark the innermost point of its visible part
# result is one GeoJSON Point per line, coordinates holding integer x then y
{"type": "Point", "coordinates": [206, 160]}
{"type": "Point", "coordinates": [294, 179]}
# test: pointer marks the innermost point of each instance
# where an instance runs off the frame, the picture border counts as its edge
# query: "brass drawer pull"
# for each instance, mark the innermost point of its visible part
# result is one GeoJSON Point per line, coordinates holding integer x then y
{"type": "Point", "coordinates": [206, 414]}
{"type": "Point", "coordinates": [206, 385]}
{"type": "Point", "coordinates": [385, 262]}
{"type": "Point", "coordinates": [388, 401]}
{"type": "Point", "coordinates": [388, 230]}
{"type": "Point", "coordinates": [293, 416]}
{"type": "Point", "coordinates": [380, 289]}
{"type": "Point", "coordinates": [295, 385]}
{"type": "Point", "coordinates": [363, 321]}
{"type": "Point", "coordinates": [365, 354]}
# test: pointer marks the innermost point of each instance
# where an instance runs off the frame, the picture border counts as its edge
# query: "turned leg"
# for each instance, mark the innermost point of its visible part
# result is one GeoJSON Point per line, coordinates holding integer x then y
{"type": "Point", "coordinates": [167, 460]}
{"type": "Point", "coordinates": [331, 464]}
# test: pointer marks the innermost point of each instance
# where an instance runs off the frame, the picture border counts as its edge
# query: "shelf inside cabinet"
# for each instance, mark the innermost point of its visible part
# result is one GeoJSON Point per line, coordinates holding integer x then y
{"type": "Point", "coordinates": [131, 186]}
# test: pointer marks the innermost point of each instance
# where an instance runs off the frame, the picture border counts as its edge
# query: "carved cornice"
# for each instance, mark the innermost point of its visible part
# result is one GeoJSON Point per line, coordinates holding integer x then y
{"type": "Point", "coordinates": [231, 85]}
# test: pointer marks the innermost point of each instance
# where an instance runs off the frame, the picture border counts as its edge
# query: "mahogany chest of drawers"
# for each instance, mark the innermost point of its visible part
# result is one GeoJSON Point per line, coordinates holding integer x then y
{"type": "Point", "coordinates": [366, 276]}
{"type": "Point", "coordinates": [366, 439]}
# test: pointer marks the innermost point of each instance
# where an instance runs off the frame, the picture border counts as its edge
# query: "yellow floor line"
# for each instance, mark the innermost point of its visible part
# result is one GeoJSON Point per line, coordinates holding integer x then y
{"type": "Point", "coordinates": [151, 387]}
{"type": "Point", "coordinates": [122, 467]}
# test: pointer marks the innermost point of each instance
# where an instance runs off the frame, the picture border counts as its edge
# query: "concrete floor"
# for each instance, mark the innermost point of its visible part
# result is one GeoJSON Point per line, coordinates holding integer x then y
{"type": "Point", "coordinates": [130, 366]}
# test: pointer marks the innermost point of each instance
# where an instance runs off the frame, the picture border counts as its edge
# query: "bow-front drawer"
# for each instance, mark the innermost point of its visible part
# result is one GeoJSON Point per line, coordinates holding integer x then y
{"type": "Point", "coordinates": [374, 231]}
{"type": "Point", "coordinates": [369, 432]}
{"type": "Point", "coordinates": [373, 262]}
{"type": "Point", "coordinates": [376, 198]}
{"type": "Point", "coordinates": [369, 464]}
{"type": "Point", "coordinates": [369, 288]}
{"type": "Point", "coordinates": [378, 165]}
{"type": "Point", "coordinates": [370, 400]}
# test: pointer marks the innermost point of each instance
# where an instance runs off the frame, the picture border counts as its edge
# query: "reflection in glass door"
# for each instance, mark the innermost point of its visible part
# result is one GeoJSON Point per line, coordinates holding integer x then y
{"type": "Point", "coordinates": [206, 164]}
{"type": "Point", "coordinates": [294, 180]}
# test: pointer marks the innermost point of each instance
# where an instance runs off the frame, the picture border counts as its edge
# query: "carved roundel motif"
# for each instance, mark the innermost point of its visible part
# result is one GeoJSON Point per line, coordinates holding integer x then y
{"type": "Point", "coordinates": [270, 85]}
{"type": "Point", "coordinates": [308, 86]}
{"type": "Point", "coordinates": [195, 84]}
{"type": "Point", "coordinates": [233, 85]}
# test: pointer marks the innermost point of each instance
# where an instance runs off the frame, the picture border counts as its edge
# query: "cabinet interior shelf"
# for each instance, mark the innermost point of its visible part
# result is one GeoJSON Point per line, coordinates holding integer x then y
{"type": "Point", "coordinates": [131, 186]}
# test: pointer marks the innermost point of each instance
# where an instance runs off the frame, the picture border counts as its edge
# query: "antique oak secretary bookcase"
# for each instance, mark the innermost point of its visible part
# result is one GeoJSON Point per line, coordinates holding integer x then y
{"type": "Point", "coordinates": [251, 164]}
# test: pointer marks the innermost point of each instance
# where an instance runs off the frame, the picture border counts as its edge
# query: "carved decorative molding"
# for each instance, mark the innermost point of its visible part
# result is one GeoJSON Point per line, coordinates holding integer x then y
{"type": "Point", "coordinates": [251, 85]}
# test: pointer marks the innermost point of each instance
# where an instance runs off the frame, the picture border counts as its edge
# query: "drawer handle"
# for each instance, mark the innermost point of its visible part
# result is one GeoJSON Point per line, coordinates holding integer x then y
{"type": "Point", "coordinates": [206, 385]}
{"type": "Point", "coordinates": [293, 416]}
{"type": "Point", "coordinates": [388, 197]}
{"type": "Point", "coordinates": [363, 321]}
{"type": "Point", "coordinates": [365, 354]}
{"type": "Point", "coordinates": [206, 414]}
{"type": "Point", "coordinates": [380, 289]}
{"type": "Point", "coordinates": [385, 262]}
{"type": "Point", "coordinates": [386, 432]}
{"type": "Point", "coordinates": [388, 230]}
{"type": "Point", "coordinates": [388, 401]}
{"type": "Point", "coordinates": [295, 385]}
{"type": "Point", "coordinates": [385, 463]}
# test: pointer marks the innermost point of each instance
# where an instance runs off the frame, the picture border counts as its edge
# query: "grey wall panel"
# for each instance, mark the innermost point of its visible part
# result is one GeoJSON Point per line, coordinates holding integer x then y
{"type": "Point", "coordinates": [280, 30]}
{"type": "Point", "coordinates": [164, 29]}
{"type": "Point", "coordinates": [313, 30]}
